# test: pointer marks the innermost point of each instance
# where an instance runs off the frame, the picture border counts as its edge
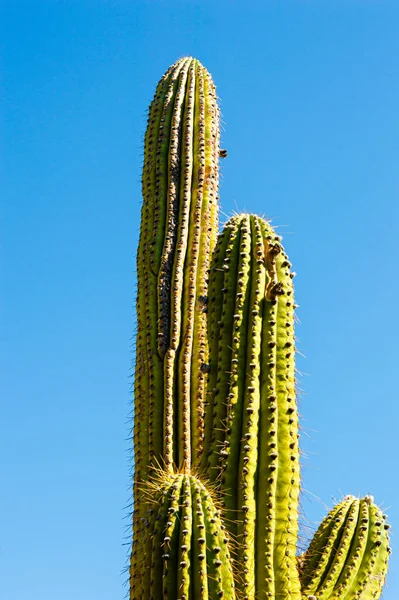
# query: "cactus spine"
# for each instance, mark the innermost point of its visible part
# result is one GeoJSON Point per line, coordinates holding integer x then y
{"type": "Point", "coordinates": [216, 428]}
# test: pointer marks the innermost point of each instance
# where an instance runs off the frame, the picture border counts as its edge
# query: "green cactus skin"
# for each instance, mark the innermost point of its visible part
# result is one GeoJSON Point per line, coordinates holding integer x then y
{"type": "Point", "coordinates": [177, 235]}
{"type": "Point", "coordinates": [190, 556]}
{"type": "Point", "coordinates": [348, 556]}
{"type": "Point", "coordinates": [251, 440]}
{"type": "Point", "coordinates": [215, 391]}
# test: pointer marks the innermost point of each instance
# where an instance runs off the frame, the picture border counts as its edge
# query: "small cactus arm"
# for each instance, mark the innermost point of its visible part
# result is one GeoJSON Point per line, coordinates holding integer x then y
{"type": "Point", "coordinates": [348, 556]}
{"type": "Point", "coordinates": [190, 555]}
{"type": "Point", "coordinates": [216, 454]}
{"type": "Point", "coordinates": [177, 235]}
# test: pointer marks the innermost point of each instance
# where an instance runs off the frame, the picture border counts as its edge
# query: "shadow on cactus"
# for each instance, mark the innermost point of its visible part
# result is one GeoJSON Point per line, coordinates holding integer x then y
{"type": "Point", "coordinates": [214, 394]}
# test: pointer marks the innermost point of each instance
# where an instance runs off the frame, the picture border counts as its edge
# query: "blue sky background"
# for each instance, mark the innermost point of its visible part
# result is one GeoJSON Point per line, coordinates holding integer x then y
{"type": "Point", "coordinates": [309, 94]}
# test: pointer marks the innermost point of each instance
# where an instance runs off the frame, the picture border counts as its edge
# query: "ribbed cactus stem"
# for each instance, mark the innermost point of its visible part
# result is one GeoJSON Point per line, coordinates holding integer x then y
{"type": "Point", "coordinates": [253, 436]}
{"type": "Point", "coordinates": [190, 552]}
{"type": "Point", "coordinates": [177, 236]}
{"type": "Point", "coordinates": [348, 556]}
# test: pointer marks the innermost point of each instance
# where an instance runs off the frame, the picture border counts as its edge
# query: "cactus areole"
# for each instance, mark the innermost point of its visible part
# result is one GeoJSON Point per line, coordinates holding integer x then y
{"type": "Point", "coordinates": [216, 455]}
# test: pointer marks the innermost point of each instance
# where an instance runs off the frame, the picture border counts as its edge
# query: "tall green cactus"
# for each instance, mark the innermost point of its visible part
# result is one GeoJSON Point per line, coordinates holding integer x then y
{"type": "Point", "coordinates": [177, 235]}
{"type": "Point", "coordinates": [252, 447]}
{"type": "Point", "coordinates": [216, 450]}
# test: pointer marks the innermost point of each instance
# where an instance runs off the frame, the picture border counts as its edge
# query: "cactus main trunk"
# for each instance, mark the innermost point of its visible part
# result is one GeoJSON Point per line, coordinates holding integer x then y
{"type": "Point", "coordinates": [216, 451]}
{"type": "Point", "coordinates": [177, 235]}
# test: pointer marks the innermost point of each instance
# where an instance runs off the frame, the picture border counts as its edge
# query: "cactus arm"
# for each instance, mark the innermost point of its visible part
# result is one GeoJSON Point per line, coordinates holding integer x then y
{"type": "Point", "coordinates": [347, 577]}
{"type": "Point", "coordinates": [334, 540]}
{"type": "Point", "coordinates": [256, 429]}
{"type": "Point", "coordinates": [340, 552]}
{"type": "Point", "coordinates": [355, 575]}
{"type": "Point", "coordinates": [190, 555]}
{"type": "Point", "coordinates": [347, 559]}
{"type": "Point", "coordinates": [309, 559]}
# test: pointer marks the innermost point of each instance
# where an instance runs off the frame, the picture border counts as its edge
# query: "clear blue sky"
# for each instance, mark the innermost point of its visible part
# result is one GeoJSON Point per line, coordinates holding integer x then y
{"type": "Point", "coordinates": [309, 93]}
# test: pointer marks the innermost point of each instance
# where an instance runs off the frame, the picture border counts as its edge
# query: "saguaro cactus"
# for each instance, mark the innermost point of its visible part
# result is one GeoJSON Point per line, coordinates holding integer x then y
{"type": "Point", "coordinates": [215, 427]}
